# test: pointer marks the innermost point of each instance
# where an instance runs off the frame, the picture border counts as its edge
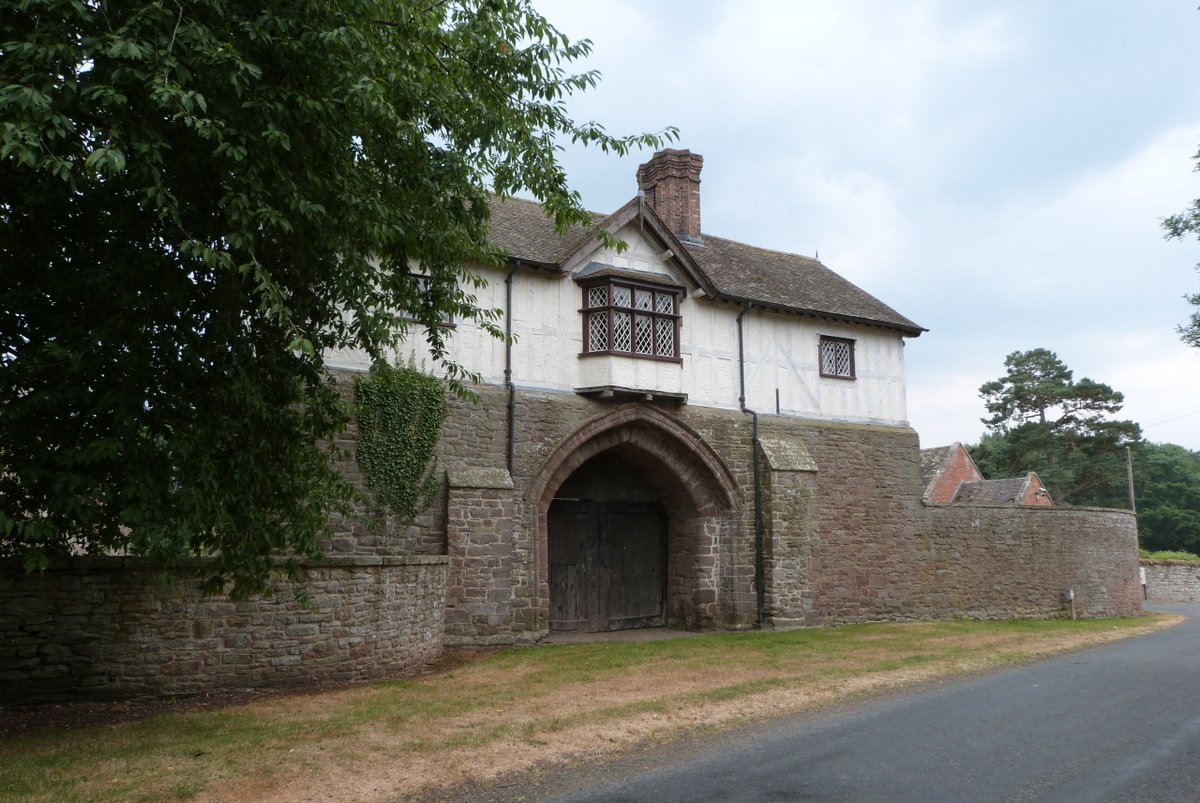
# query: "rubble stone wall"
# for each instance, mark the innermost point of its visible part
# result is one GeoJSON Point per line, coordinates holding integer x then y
{"type": "Point", "coordinates": [1171, 581]}
{"type": "Point", "coordinates": [108, 627]}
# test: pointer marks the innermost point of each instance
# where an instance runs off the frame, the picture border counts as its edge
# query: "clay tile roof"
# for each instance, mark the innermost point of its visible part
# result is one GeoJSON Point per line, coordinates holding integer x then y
{"type": "Point", "coordinates": [932, 461]}
{"type": "Point", "coordinates": [747, 273]}
{"type": "Point", "coordinates": [991, 492]}
{"type": "Point", "coordinates": [523, 231]}
{"type": "Point", "coordinates": [739, 272]}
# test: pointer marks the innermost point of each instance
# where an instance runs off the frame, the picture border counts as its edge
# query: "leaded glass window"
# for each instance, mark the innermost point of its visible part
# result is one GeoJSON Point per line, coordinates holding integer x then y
{"type": "Point", "coordinates": [621, 332]}
{"type": "Point", "coordinates": [837, 357]}
{"type": "Point", "coordinates": [626, 317]}
{"type": "Point", "coordinates": [597, 331]}
{"type": "Point", "coordinates": [644, 342]}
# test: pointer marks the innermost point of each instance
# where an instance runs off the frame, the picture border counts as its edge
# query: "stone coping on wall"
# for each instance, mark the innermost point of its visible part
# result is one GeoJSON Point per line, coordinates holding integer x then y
{"type": "Point", "coordinates": [787, 454]}
{"type": "Point", "coordinates": [134, 562]}
{"type": "Point", "coordinates": [838, 423]}
{"type": "Point", "coordinates": [1168, 562]}
{"type": "Point", "coordinates": [1057, 509]}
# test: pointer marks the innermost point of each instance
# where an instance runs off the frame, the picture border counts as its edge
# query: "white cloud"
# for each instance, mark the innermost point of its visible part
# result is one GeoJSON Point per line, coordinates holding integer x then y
{"type": "Point", "coordinates": [1160, 378]}
{"type": "Point", "coordinates": [990, 171]}
{"type": "Point", "coordinates": [945, 407]}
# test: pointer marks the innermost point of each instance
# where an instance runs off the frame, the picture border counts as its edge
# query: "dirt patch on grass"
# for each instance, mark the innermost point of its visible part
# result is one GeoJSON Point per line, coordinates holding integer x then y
{"type": "Point", "coordinates": [492, 714]}
{"type": "Point", "coordinates": [602, 717]}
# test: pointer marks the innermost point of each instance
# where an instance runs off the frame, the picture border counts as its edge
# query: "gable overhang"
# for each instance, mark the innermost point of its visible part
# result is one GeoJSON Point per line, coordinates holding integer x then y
{"type": "Point", "coordinates": [512, 261]}
{"type": "Point", "coordinates": [638, 210]}
{"type": "Point", "coordinates": [742, 301]}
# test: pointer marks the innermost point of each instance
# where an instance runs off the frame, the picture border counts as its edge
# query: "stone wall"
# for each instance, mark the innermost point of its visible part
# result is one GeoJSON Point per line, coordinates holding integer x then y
{"type": "Point", "coordinates": [847, 538]}
{"type": "Point", "coordinates": [368, 531]}
{"type": "Point", "coordinates": [789, 484]}
{"type": "Point", "coordinates": [867, 480]}
{"type": "Point", "coordinates": [1006, 562]}
{"type": "Point", "coordinates": [489, 583]}
{"type": "Point", "coordinates": [108, 627]}
{"type": "Point", "coordinates": [1172, 581]}
{"type": "Point", "coordinates": [850, 540]}
{"type": "Point", "coordinates": [497, 532]}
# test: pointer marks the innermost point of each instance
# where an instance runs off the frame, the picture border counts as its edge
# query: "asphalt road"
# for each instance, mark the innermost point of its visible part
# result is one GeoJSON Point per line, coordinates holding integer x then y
{"type": "Point", "coordinates": [1111, 723]}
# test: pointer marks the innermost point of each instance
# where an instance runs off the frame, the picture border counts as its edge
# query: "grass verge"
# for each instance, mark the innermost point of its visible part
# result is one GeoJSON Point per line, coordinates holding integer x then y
{"type": "Point", "coordinates": [509, 711]}
{"type": "Point", "coordinates": [1146, 554]}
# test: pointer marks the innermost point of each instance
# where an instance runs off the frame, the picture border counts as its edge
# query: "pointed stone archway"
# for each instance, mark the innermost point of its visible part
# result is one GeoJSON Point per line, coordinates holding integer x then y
{"type": "Point", "coordinates": [632, 511]}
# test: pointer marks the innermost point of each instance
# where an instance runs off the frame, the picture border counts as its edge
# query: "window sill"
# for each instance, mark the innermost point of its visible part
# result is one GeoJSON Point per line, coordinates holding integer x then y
{"type": "Point", "coordinates": [631, 355]}
{"type": "Point", "coordinates": [622, 394]}
{"type": "Point", "coordinates": [443, 325]}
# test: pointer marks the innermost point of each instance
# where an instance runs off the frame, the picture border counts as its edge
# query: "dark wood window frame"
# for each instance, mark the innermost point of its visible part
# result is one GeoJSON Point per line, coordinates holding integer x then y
{"type": "Point", "coordinates": [612, 310]}
{"type": "Point", "coordinates": [829, 342]}
{"type": "Point", "coordinates": [447, 323]}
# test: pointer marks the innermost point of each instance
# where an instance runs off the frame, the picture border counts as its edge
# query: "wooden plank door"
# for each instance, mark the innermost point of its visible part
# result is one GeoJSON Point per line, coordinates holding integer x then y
{"type": "Point", "coordinates": [571, 537]}
{"type": "Point", "coordinates": [633, 558]}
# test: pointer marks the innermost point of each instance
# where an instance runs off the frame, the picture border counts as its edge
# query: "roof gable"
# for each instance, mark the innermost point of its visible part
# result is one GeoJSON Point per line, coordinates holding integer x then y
{"type": "Point", "coordinates": [650, 226]}
{"type": "Point", "coordinates": [944, 469]}
{"type": "Point", "coordinates": [726, 270]}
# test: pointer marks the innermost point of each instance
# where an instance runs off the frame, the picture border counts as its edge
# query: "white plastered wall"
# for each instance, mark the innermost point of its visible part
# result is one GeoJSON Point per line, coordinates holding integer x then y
{"type": "Point", "coordinates": [781, 350]}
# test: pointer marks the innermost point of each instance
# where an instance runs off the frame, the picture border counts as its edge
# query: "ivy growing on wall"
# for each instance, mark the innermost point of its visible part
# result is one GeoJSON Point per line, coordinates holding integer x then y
{"type": "Point", "coordinates": [400, 412]}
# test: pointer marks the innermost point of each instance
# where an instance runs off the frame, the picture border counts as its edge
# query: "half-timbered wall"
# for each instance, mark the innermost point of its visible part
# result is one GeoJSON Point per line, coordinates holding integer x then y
{"type": "Point", "coordinates": [780, 349]}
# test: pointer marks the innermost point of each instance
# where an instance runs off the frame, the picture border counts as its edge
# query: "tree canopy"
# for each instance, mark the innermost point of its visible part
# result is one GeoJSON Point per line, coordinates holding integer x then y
{"type": "Point", "coordinates": [197, 200]}
{"type": "Point", "coordinates": [1177, 227]}
{"type": "Point", "coordinates": [1043, 420]}
{"type": "Point", "coordinates": [1168, 498]}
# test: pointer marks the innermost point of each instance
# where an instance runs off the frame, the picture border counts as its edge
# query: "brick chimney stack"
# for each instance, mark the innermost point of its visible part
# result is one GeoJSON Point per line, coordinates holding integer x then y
{"type": "Point", "coordinates": [671, 182]}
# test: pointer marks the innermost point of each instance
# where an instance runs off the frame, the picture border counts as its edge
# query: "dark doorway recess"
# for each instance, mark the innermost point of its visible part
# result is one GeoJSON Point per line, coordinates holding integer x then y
{"type": "Point", "coordinates": [607, 538]}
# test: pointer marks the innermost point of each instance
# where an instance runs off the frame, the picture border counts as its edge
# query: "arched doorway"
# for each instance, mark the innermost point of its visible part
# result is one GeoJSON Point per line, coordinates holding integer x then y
{"type": "Point", "coordinates": [637, 499]}
{"type": "Point", "coordinates": [607, 544]}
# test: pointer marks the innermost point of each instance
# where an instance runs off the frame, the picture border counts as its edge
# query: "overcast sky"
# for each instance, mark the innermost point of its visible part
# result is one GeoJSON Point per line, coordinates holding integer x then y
{"type": "Point", "coordinates": [995, 171]}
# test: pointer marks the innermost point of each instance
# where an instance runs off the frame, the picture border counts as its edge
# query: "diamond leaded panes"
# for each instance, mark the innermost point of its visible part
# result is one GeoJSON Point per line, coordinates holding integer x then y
{"type": "Point", "coordinates": [837, 357]}
{"type": "Point", "coordinates": [644, 328]}
{"type": "Point", "coordinates": [631, 319]}
{"type": "Point", "coordinates": [665, 345]}
{"type": "Point", "coordinates": [622, 331]}
{"type": "Point", "coordinates": [598, 331]}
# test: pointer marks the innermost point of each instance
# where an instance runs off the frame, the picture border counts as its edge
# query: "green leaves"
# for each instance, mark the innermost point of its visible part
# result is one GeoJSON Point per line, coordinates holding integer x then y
{"type": "Point", "coordinates": [105, 161]}
{"type": "Point", "coordinates": [1177, 227]}
{"type": "Point", "coordinates": [1167, 479]}
{"type": "Point", "coordinates": [400, 413]}
{"type": "Point", "coordinates": [1044, 421]}
{"type": "Point", "coordinates": [198, 201]}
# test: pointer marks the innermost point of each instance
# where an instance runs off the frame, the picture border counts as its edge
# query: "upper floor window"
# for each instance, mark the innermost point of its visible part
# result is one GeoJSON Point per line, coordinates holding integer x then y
{"type": "Point", "coordinates": [624, 317]}
{"type": "Point", "coordinates": [423, 287]}
{"type": "Point", "coordinates": [837, 357]}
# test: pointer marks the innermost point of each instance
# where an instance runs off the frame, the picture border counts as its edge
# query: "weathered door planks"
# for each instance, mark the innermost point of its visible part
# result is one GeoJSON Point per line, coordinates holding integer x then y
{"type": "Point", "coordinates": [608, 565]}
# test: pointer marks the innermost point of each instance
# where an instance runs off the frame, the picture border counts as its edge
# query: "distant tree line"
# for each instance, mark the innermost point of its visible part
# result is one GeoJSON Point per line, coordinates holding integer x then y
{"type": "Point", "coordinates": [1169, 482]}
{"type": "Point", "coordinates": [1044, 420]}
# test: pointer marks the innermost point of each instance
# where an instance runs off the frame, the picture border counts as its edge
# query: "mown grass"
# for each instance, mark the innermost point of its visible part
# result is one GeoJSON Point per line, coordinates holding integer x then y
{"type": "Point", "coordinates": [499, 698]}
